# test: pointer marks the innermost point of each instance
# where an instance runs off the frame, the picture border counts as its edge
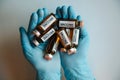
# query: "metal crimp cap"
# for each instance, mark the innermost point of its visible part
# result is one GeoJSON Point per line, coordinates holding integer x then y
{"type": "Point", "coordinates": [36, 32]}
{"type": "Point", "coordinates": [72, 51]}
{"type": "Point", "coordinates": [48, 56]}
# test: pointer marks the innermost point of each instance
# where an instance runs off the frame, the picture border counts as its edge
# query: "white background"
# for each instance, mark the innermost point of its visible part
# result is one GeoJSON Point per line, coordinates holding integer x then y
{"type": "Point", "coordinates": [101, 17]}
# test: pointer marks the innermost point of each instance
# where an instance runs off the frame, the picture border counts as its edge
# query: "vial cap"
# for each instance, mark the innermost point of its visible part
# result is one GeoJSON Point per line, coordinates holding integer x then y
{"type": "Point", "coordinates": [80, 23]}
{"type": "Point", "coordinates": [72, 51]}
{"type": "Point", "coordinates": [48, 56]}
{"type": "Point", "coordinates": [63, 50]}
{"type": "Point", "coordinates": [35, 42]}
{"type": "Point", "coordinates": [36, 32]}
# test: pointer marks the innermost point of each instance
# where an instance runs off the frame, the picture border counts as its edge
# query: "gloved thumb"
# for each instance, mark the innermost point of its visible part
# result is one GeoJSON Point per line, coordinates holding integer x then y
{"type": "Point", "coordinates": [24, 39]}
{"type": "Point", "coordinates": [83, 29]}
{"type": "Point", "coordinates": [58, 12]}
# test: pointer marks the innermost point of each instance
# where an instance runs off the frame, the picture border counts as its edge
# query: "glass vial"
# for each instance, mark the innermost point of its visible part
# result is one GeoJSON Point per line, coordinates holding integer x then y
{"type": "Point", "coordinates": [52, 48]}
{"type": "Point", "coordinates": [47, 23]}
{"type": "Point", "coordinates": [44, 37]}
{"type": "Point", "coordinates": [68, 31]}
{"type": "Point", "coordinates": [64, 39]}
{"type": "Point", "coordinates": [65, 23]}
{"type": "Point", "coordinates": [75, 40]}
{"type": "Point", "coordinates": [75, 37]}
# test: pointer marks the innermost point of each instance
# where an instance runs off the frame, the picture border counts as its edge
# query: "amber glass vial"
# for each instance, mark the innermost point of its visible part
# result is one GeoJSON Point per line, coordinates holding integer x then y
{"type": "Point", "coordinates": [75, 37]}
{"type": "Point", "coordinates": [75, 40]}
{"type": "Point", "coordinates": [64, 39]}
{"type": "Point", "coordinates": [44, 37]}
{"type": "Point", "coordinates": [72, 23]}
{"type": "Point", "coordinates": [52, 48]}
{"type": "Point", "coordinates": [73, 34]}
{"type": "Point", "coordinates": [46, 24]}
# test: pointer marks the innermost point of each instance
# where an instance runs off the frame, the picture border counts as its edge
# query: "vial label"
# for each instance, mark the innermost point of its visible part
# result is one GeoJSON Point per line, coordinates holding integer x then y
{"type": "Point", "coordinates": [64, 37]}
{"type": "Point", "coordinates": [67, 24]}
{"type": "Point", "coordinates": [75, 37]}
{"type": "Point", "coordinates": [48, 35]}
{"type": "Point", "coordinates": [68, 31]}
{"type": "Point", "coordinates": [48, 22]}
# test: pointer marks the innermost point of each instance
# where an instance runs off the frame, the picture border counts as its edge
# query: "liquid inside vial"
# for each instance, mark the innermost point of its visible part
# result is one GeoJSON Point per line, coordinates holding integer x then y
{"type": "Point", "coordinates": [51, 48]}
{"type": "Point", "coordinates": [64, 38]}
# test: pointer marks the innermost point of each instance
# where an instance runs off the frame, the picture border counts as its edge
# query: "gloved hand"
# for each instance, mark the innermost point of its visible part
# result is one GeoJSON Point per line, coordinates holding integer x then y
{"type": "Point", "coordinates": [46, 70]}
{"type": "Point", "coordinates": [75, 66]}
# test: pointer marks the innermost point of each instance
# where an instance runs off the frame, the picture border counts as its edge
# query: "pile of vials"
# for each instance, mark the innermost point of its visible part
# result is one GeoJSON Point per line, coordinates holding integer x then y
{"type": "Point", "coordinates": [62, 33]}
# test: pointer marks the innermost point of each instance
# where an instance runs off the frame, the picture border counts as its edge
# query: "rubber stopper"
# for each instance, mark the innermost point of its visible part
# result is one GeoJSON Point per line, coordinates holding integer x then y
{"type": "Point", "coordinates": [48, 56]}
{"type": "Point", "coordinates": [36, 32]}
{"type": "Point", "coordinates": [72, 51]}
{"type": "Point", "coordinates": [63, 50]}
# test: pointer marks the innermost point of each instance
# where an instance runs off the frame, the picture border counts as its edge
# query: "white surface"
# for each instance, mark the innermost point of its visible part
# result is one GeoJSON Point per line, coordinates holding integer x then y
{"type": "Point", "coordinates": [102, 19]}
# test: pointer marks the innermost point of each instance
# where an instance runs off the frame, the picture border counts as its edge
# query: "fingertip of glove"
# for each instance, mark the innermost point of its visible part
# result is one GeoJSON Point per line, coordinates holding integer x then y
{"type": "Point", "coordinates": [79, 18]}
{"type": "Point", "coordinates": [58, 7]}
{"type": "Point", "coordinates": [63, 6]}
{"type": "Point", "coordinates": [58, 12]}
{"type": "Point", "coordinates": [40, 12]}
{"type": "Point", "coordinates": [34, 17]}
{"type": "Point", "coordinates": [70, 6]}
{"type": "Point", "coordinates": [34, 14]}
{"type": "Point", "coordinates": [44, 8]}
{"type": "Point", "coordinates": [21, 28]}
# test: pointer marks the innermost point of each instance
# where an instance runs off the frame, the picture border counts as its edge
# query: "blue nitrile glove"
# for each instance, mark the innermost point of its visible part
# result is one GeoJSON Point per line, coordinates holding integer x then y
{"type": "Point", "coordinates": [46, 70]}
{"type": "Point", "coordinates": [75, 66]}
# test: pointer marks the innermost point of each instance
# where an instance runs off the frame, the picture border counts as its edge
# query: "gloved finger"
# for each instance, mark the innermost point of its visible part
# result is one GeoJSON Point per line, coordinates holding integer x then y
{"type": "Point", "coordinates": [40, 13]}
{"type": "Point", "coordinates": [79, 18]}
{"type": "Point", "coordinates": [83, 31]}
{"type": "Point", "coordinates": [71, 13]}
{"type": "Point", "coordinates": [32, 25]}
{"type": "Point", "coordinates": [24, 39]}
{"type": "Point", "coordinates": [58, 12]}
{"type": "Point", "coordinates": [45, 12]}
{"type": "Point", "coordinates": [43, 45]}
{"type": "Point", "coordinates": [32, 22]}
{"type": "Point", "coordinates": [64, 12]}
